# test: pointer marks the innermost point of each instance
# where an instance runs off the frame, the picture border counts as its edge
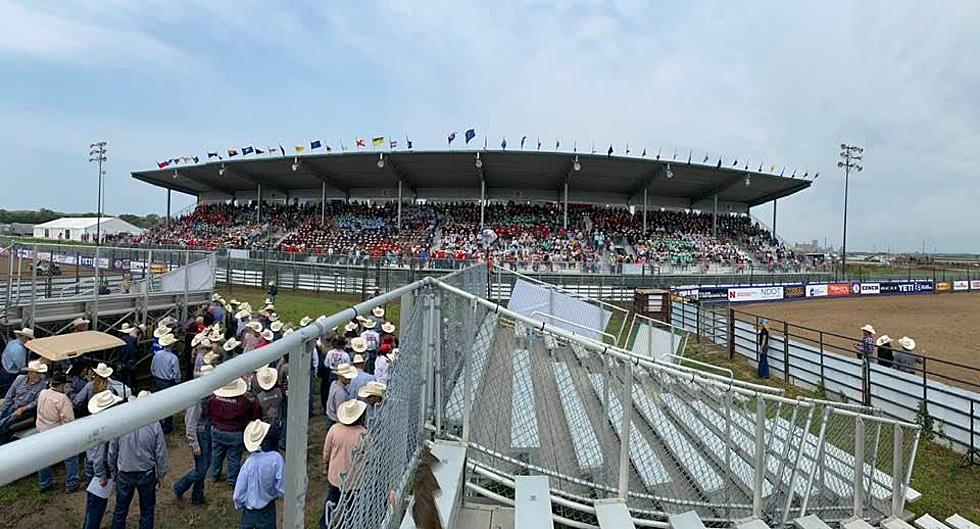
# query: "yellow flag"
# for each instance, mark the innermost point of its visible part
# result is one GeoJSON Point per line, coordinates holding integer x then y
{"type": "Point", "coordinates": [300, 148]}
{"type": "Point", "coordinates": [377, 141]}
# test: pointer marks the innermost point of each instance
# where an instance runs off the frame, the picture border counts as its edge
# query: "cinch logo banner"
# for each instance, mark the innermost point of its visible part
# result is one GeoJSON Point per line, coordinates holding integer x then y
{"type": "Point", "coordinates": [755, 294]}
{"type": "Point", "coordinates": [961, 285]}
{"type": "Point", "coordinates": [839, 289]}
{"type": "Point", "coordinates": [870, 289]}
{"type": "Point", "coordinates": [816, 291]}
{"type": "Point", "coordinates": [974, 285]}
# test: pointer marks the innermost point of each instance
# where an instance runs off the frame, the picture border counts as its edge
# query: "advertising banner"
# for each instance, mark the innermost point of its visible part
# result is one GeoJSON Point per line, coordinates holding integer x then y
{"type": "Point", "coordinates": [944, 286]}
{"type": "Point", "coordinates": [736, 295]}
{"type": "Point", "coordinates": [870, 289]}
{"type": "Point", "coordinates": [816, 291]}
{"type": "Point", "coordinates": [905, 287]}
{"type": "Point", "coordinates": [712, 293]}
{"type": "Point", "coordinates": [793, 292]}
{"type": "Point", "coordinates": [961, 285]}
{"type": "Point", "coordinates": [974, 285]}
{"type": "Point", "coordinates": [840, 289]}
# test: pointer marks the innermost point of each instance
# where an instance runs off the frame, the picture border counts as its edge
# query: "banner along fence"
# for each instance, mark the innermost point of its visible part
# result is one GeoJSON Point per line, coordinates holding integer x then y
{"type": "Point", "coordinates": [813, 359]}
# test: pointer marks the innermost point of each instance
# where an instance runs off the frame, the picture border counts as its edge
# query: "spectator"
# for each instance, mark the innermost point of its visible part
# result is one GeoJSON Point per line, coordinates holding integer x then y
{"type": "Point", "coordinates": [260, 483]}
{"type": "Point", "coordinates": [98, 455]}
{"type": "Point", "coordinates": [885, 356]}
{"type": "Point", "coordinates": [865, 348]}
{"type": "Point", "coordinates": [763, 368]}
{"type": "Point", "coordinates": [140, 460]}
{"type": "Point", "coordinates": [231, 410]}
{"type": "Point", "coordinates": [362, 376]}
{"type": "Point", "coordinates": [272, 292]}
{"type": "Point", "coordinates": [54, 408]}
{"type": "Point", "coordinates": [371, 393]}
{"type": "Point", "coordinates": [382, 369]}
{"type": "Point", "coordinates": [20, 401]}
{"type": "Point", "coordinates": [197, 429]}
{"type": "Point", "coordinates": [165, 368]}
{"type": "Point", "coordinates": [266, 390]}
{"type": "Point", "coordinates": [339, 393]}
{"type": "Point", "coordinates": [343, 439]}
{"type": "Point", "coordinates": [80, 325]}
{"type": "Point", "coordinates": [327, 371]}
{"type": "Point", "coordinates": [101, 381]}
{"type": "Point", "coordinates": [15, 357]}
{"type": "Point", "coordinates": [129, 354]}
{"type": "Point", "coordinates": [906, 359]}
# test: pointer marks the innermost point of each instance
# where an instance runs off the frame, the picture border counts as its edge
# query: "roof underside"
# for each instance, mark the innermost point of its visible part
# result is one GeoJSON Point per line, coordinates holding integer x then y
{"type": "Point", "coordinates": [512, 170]}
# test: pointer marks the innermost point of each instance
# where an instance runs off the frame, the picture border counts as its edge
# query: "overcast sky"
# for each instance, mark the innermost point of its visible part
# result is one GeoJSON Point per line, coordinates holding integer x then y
{"type": "Point", "coordinates": [770, 82]}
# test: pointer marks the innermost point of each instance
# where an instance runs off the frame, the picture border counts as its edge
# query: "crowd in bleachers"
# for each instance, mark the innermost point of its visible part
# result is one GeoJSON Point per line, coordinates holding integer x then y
{"type": "Point", "coordinates": [530, 234]}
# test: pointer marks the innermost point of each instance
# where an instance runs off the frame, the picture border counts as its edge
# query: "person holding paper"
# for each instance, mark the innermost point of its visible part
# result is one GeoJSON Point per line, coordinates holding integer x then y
{"type": "Point", "coordinates": [101, 486]}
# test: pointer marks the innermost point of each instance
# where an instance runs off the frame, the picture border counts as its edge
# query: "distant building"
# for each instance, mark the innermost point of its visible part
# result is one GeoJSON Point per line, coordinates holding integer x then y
{"type": "Point", "coordinates": [17, 229]}
{"type": "Point", "coordinates": [82, 228]}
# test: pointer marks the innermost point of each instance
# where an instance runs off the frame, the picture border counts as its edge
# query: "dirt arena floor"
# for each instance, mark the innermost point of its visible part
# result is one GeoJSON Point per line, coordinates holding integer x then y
{"type": "Point", "coordinates": [944, 326]}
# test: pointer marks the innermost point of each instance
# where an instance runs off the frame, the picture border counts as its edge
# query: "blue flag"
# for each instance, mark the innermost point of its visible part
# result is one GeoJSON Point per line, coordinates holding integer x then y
{"type": "Point", "coordinates": [470, 134]}
{"type": "Point", "coordinates": [408, 142]}
{"type": "Point", "coordinates": [259, 151]}
{"type": "Point", "coordinates": [451, 137]}
{"type": "Point", "coordinates": [503, 144]}
{"type": "Point", "coordinates": [247, 150]}
{"type": "Point", "coordinates": [523, 139]}
{"type": "Point", "coordinates": [212, 154]}
{"type": "Point", "coordinates": [315, 144]}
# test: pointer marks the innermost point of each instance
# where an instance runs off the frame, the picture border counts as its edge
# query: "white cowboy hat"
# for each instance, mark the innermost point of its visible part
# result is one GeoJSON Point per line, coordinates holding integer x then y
{"type": "Point", "coordinates": [276, 326]}
{"type": "Point", "coordinates": [235, 388]}
{"type": "Point", "coordinates": [231, 344]}
{"type": "Point", "coordinates": [266, 377]}
{"type": "Point", "coordinates": [347, 371]}
{"type": "Point", "coordinates": [103, 370]}
{"type": "Point", "coordinates": [234, 302]}
{"type": "Point", "coordinates": [349, 411]}
{"type": "Point", "coordinates": [883, 340]}
{"type": "Point", "coordinates": [80, 321]}
{"type": "Point", "coordinates": [210, 357]}
{"type": "Point", "coordinates": [868, 328]}
{"type": "Point", "coordinates": [215, 296]}
{"type": "Point", "coordinates": [368, 324]}
{"type": "Point", "coordinates": [254, 325]}
{"type": "Point", "coordinates": [205, 342]}
{"type": "Point", "coordinates": [126, 328]}
{"type": "Point", "coordinates": [196, 340]}
{"type": "Point", "coordinates": [272, 283]}
{"type": "Point", "coordinates": [306, 320]}
{"type": "Point", "coordinates": [358, 344]}
{"type": "Point", "coordinates": [907, 343]}
{"type": "Point", "coordinates": [216, 336]}
{"type": "Point", "coordinates": [160, 332]}
{"type": "Point", "coordinates": [273, 317]}
{"type": "Point", "coordinates": [141, 395]}
{"type": "Point", "coordinates": [372, 389]}
{"type": "Point", "coordinates": [103, 400]}
{"type": "Point", "coordinates": [350, 327]}
{"type": "Point", "coordinates": [254, 434]}
{"type": "Point", "coordinates": [268, 335]}
{"type": "Point", "coordinates": [269, 307]}
{"type": "Point", "coordinates": [268, 301]}
{"type": "Point", "coordinates": [29, 333]}
{"type": "Point", "coordinates": [242, 314]}
{"type": "Point", "coordinates": [167, 340]}
{"type": "Point", "coordinates": [388, 327]}
{"type": "Point", "coordinates": [205, 369]}
{"type": "Point", "coordinates": [358, 359]}
{"type": "Point", "coordinates": [37, 366]}
{"type": "Point", "coordinates": [379, 312]}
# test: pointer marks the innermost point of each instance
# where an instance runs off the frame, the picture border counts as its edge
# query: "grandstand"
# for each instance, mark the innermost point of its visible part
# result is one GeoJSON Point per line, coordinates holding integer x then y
{"type": "Point", "coordinates": [550, 211]}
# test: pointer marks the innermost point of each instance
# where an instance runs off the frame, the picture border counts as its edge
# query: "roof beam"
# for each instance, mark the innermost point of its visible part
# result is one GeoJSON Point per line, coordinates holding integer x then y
{"type": "Point", "coordinates": [210, 186]}
{"type": "Point", "coordinates": [782, 193]}
{"type": "Point", "coordinates": [173, 187]}
{"type": "Point", "coordinates": [400, 174]}
{"type": "Point", "coordinates": [718, 189]}
{"type": "Point", "coordinates": [321, 175]}
{"type": "Point", "coordinates": [657, 172]}
{"type": "Point", "coordinates": [237, 171]}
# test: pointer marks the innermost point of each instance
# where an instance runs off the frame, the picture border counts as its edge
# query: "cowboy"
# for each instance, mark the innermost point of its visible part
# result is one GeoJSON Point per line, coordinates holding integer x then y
{"type": "Point", "coordinates": [164, 327]}
{"type": "Point", "coordinates": [95, 504]}
{"type": "Point", "coordinates": [230, 348]}
{"type": "Point", "coordinates": [273, 292]}
{"type": "Point", "coordinates": [885, 355]}
{"type": "Point", "coordinates": [388, 333]}
{"type": "Point", "coordinates": [101, 381]}
{"type": "Point", "coordinates": [378, 315]}
{"type": "Point", "coordinates": [140, 460]}
{"type": "Point", "coordinates": [338, 392]}
{"type": "Point", "coordinates": [267, 337]}
{"type": "Point", "coordinates": [763, 341]}
{"type": "Point", "coordinates": [54, 409]}
{"type": "Point", "coordinates": [261, 478]}
{"type": "Point", "coordinates": [342, 441]}
{"type": "Point", "coordinates": [20, 401]}
{"type": "Point", "coordinates": [165, 368]}
{"type": "Point", "coordinates": [382, 366]}
{"type": "Point", "coordinates": [371, 393]}
{"type": "Point", "coordinates": [266, 390]}
{"type": "Point", "coordinates": [371, 336]}
{"type": "Point", "coordinates": [252, 335]}
{"type": "Point", "coordinates": [197, 429]}
{"type": "Point", "coordinates": [15, 357]}
{"type": "Point", "coordinates": [865, 348]}
{"type": "Point", "coordinates": [327, 371]}
{"type": "Point", "coordinates": [231, 411]}
{"type": "Point", "coordinates": [907, 358]}
{"type": "Point", "coordinates": [202, 346]}
{"type": "Point", "coordinates": [129, 353]}
{"type": "Point", "coordinates": [362, 376]}
{"type": "Point", "coordinates": [79, 325]}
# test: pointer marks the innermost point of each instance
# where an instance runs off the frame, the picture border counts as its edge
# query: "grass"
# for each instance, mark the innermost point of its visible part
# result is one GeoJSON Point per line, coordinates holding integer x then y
{"type": "Point", "coordinates": [293, 305]}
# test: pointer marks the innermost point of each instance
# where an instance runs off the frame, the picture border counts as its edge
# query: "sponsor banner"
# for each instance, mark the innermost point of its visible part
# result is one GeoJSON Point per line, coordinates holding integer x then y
{"type": "Point", "coordinates": [870, 289]}
{"type": "Point", "coordinates": [816, 291]}
{"type": "Point", "coordinates": [737, 295]}
{"type": "Point", "coordinates": [944, 286]}
{"type": "Point", "coordinates": [905, 287]}
{"type": "Point", "coordinates": [974, 285]}
{"type": "Point", "coordinates": [793, 292]}
{"type": "Point", "coordinates": [840, 289]}
{"type": "Point", "coordinates": [961, 285]}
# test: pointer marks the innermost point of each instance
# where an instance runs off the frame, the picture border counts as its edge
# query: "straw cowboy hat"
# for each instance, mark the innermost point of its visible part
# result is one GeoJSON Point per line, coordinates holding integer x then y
{"type": "Point", "coordinates": [268, 301]}
{"type": "Point", "coordinates": [196, 340]}
{"type": "Point", "coordinates": [266, 377]}
{"type": "Point", "coordinates": [358, 359]}
{"type": "Point", "coordinates": [103, 400]}
{"type": "Point", "coordinates": [907, 343]}
{"type": "Point", "coordinates": [234, 388]}
{"type": "Point", "coordinates": [273, 316]}
{"type": "Point", "coordinates": [379, 312]}
{"type": "Point", "coordinates": [215, 336]}
{"type": "Point", "coordinates": [254, 325]}
{"type": "Point", "coordinates": [79, 321]}
{"type": "Point", "coordinates": [269, 307]}
{"type": "Point", "coordinates": [372, 389]}
{"type": "Point", "coordinates": [276, 326]}
{"type": "Point", "coordinates": [347, 371]}
{"type": "Point", "coordinates": [884, 339]}
{"type": "Point", "coordinates": [205, 369]}
{"type": "Point", "coordinates": [210, 357]}
{"type": "Point", "coordinates": [306, 320]}
{"type": "Point", "coordinates": [368, 324]}
{"type": "Point", "coordinates": [242, 314]}
{"type": "Point", "coordinates": [268, 335]}
{"type": "Point", "coordinates": [358, 344]}
{"type": "Point", "coordinates": [126, 328]}
{"type": "Point", "coordinates": [215, 296]}
{"type": "Point", "coordinates": [141, 395]}
{"type": "Point", "coordinates": [231, 344]}
{"type": "Point", "coordinates": [159, 332]}
{"type": "Point", "coordinates": [37, 366]}
{"type": "Point", "coordinates": [28, 333]}
{"type": "Point", "coordinates": [254, 434]}
{"type": "Point", "coordinates": [351, 326]}
{"type": "Point", "coordinates": [167, 321]}
{"type": "Point", "coordinates": [388, 327]}
{"type": "Point", "coordinates": [167, 340]}
{"type": "Point", "coordinates": [103, 370]}
{"type": "Point", "coordinates": [349, 411]}
{"type": "Point", "coordinates": [234, 302]}
{"type": "Point", "coordinates": [868, 328]}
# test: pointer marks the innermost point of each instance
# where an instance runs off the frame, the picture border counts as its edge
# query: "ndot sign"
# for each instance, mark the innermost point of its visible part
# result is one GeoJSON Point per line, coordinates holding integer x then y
{"type": "Point", "coordinates": [736, 295]}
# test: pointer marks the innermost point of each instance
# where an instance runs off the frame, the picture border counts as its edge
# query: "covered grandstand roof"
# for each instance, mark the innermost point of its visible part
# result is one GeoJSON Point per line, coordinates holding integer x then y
{"type": "Point", "coordinates": [517, 170]}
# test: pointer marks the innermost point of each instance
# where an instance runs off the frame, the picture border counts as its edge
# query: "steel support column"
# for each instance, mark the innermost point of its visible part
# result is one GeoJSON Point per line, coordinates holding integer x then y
{"type": "Point", "coordinates": [714, 218]}
{"type": "Point", "coordinates": [624, 437]}
{"type": "Point", "coordinates": [300, 363]}
{"type": "Point", "coordinates": [565, 220]}
{"type": "Point", "coordinates": [258, 211]}
{"type": "Point", "coordinates": [483, 199]}
{"type": "Point", "coordinates": [399, 205]}
{"type": "Point", "coordinates": [323, 203]}
{"type": "Point", "coordinates": [644, 210]}
{"type": "Point", "coordinates": [774, 218]}
{"type": "Point", "coordinates": [167, 223]}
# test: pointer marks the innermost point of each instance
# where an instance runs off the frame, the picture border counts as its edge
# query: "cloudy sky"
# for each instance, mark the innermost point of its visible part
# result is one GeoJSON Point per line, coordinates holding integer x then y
{"type": "Point", "coordinates": [771, 82]}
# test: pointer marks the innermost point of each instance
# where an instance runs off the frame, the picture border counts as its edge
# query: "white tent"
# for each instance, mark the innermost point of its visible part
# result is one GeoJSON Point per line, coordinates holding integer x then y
{"type": "Point", "coordinates": [82, 228]}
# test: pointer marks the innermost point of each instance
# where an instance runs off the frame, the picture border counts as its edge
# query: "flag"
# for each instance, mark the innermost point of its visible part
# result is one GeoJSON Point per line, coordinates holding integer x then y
{"type": "Point", "coordinates": [232, 152]}
{"type": "Point", "coordinates": [735, 163]}
{"type": "Point", "coordinates": [175, 161]}
{"type": "Point", "coordinates": [393, 144]}
{"type": "Point", "coordinates": [327, 146]}
{"type": "Point", "coordinates": [281, 150]}
{"type": "Point", "coordinates": [627, 147]}
{"type": "Point", "coordinates": [470, 134]}
{"type": "Point", "coordinates": [300, 148]}
{"type": "Point", "coordinates": [484, 143]}
{"type": "Point", "coordinates": [315, 144]}
{"type": "Point", "coordinates": [196, 159]}
{"type": "Point", "coordinates": [705, 159]}
{"type": "Point", "coordinates": [782, 171]}
{"type": "Point", "coordinates": [719, 163]}
{"type": "Point", "coordinates": [523, 139]}
{"type": "Point", "coordinates": [163, 164]}
{"type": "Point", "coordinates": [212, 154]}
{"type": "Point", "coordinates": [248, 150]}
{"type": "Point", "coordinates": [689, 153]}
{"type": "Point", "coordinates": [658, 152]}
{"type": "Point", "coordinates": [575, 146]}
{"type": "Point", "coordinates": [644, 153]}
{"type": "Point", "coordinates": [259, 151]}
{"type": "Point", "coordinates": [503, 144]}
{"type": "Point", "coordinates": [377, 141]}
{"type": "Point", "coordinates": [806, 174]}
{"type": "Point", "coordinates": [610, 151]}
{"type": "Point", "coordinates": [593, 147]}
{"type": "Point", "coordinates": [557, 144]}
{"type": "Point", "coordinates": [760, 168]}
{"type": "Point", "coordinates": [360, 143]}
{"type": "Point", "coordinates": [815, 175]}
{"type": "Point", "coordinates": [451, 137]}
{"type": "Point", "coordinates": [772, 168]}
{"type": "Point", "coordinates": [408, 142]}
{"type": "Point", "coordinates": [271, 150]}
{"type": "Point", "coordinates": [746, 166]}
{"type": "Point", "coordinates": [794, 174]}
{"type": "Point", "coordinates": [539, 144]}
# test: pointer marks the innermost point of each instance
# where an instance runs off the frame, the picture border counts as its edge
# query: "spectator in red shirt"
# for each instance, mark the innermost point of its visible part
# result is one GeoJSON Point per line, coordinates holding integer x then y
{"type": "Point", "coordinates": [230, 410]}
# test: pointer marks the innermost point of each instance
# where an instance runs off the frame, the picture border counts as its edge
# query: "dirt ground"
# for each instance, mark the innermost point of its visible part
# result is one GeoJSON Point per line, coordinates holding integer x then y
{"type": "Point", "coordinates": [944, 326]}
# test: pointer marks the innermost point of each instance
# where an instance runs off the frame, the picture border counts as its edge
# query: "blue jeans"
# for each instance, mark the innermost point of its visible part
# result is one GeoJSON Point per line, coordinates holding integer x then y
{"type": "Point", "coordinates": [94, 510]}
{"type": "Point", "coordinates": [228, 444]}
{"type": "Point", "coordinates": [194, 479]}
{"type": "Point", "coordinates": [128, 484]}
{"type": "Point", "coordinates": [167, 423]}
{"type": "Point", "coordinates": [45, 479]}
{"type": "Point", "coordinates": [264, 518]}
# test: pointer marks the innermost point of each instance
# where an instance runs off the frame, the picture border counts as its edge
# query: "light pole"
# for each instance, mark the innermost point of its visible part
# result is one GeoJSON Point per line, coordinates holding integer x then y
{"type": "Point", "coordinates": [97, 154]}
{"type": "Point", "coordinates": [850, 156]}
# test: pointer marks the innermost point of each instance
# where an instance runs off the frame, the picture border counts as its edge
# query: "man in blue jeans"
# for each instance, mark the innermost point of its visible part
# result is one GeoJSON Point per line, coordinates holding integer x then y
{"type": "Point", "coordinates": [95, 505]}
{"type": "Point", "coordinates": [54, 409]}
{"type": "Point", "coordinates": [198, 432]}
{"type": "Point", "coordinates": [230, 410]}
{"type": "Point", "coordinates": [140, 460]}
{"type": "Point", "coordinates": [165, 368]}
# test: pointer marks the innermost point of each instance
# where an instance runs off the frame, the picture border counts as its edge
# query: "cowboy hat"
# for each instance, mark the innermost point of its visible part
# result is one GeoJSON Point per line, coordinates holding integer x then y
{"type": "Point", "coordinates": [868, 328]}
{"type": "Point", "coordinates": [350, 327]}
{"type": "Point", "coordinates": [141, 395]}
{"type": "Point", "coordinates": [254, 434]}
{"type": "Point", "coordinates": [205, 369]}
{"type": "Point", "coordinates": [275, 326]}
{"type": "Point", "coordinates": [103, 400]}
{"type": "Point", "coordinates": [372, 389]}
{"type": "Point", "coordinates": [361, 318]}
{"type": "Point", "coordinates": [268, 301]}
{"type": "Point", "coordinates": [215, 296]}
{"type": "Point", "coordinates": [287, 331]}
{"type": "Point", "coordinates": [231, 344]}
{"type": "Point", "coordinates": [160, 332]}
{"type": "Point", "coordinates": [254, 325]}
{"type": "Point", "coordinates": [167, 340]}
{"type": "Point", "coordinates": [346, 370]}
{"type": "Point", "coordinates": [358, 344]}
{"type": "Point", "coordinates": [268, 335]}
{"type": "Point", "coordinates": [210, 357]}
{"type": "Point", "coordinates": [907, 343]}
{"type": "Point", "coordinates": [126, 328]}
{"type": "Point", "coordinates": [29, 333]}
{"type": "Point", "coordinates": [216, 336]}
{"type": "Point", "coordinates": [273, 316]}
{"type": "Point", "coordinates": [196, 340]}
{"type": "Point", "coordinates": [368, 324]}
{"type": "Point", "coordinates": [388, 327]}
{"type": "Point", "coordinates": [235, 388]}
{"type": "Point", "coordinates": [102, 370]}
{"type": "Point", "coordinates": [242, 314]}
{"type": "Point", "coordinates": [166, 321]}
{"type": "Point", "coordinates": [234, 302]}
{"type": "Point", "coordinates": [80, 321]}
{"type": "Point", "coordinates": [379, 312]}
{"type": "Point", "coordinates": [269, 307]}
{"type": "Point", "coordinates": [883, 340]}
{"type": "Point", "coordinates": [37, 366]}
{"type": "Point", "coordinates": [206, 342]}
{"type": "Point", "coordinates": [306, 320]}
{"type": "Point", "coordinates": [358, 359]}
{"type": "Point", "coordinates": [349, 411]}
{"type": "Point", "coordinates": [266, 377]}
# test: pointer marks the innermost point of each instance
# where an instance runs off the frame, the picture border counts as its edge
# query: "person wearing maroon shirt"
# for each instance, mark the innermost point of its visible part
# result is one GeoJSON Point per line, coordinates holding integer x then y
{"type": "Point", "coordinates": [230, 410]}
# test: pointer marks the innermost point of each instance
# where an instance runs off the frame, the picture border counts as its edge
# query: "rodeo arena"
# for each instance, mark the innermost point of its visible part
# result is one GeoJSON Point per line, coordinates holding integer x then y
{"type": "Point", "coordinates": [524, 345]}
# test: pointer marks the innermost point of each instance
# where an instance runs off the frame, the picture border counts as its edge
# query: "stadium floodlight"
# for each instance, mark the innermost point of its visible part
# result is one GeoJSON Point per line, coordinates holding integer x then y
{"type": "Point", "coordinates": [669, 173]}
{"type": "Point", "coordinates": [221, 170]}
{"type": "Point", "coordinates": [381, 161]}
{"type": "Point", "coordinates": [575, 165]}
{"type": "Point", "coordinates": [850, 156]}
{"type": "Point", "coordinates": [479, 162]}
{"type": "Point", "coordinates": [295, 164]}
{"type": "Point", "coordinates": [97, 153]}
